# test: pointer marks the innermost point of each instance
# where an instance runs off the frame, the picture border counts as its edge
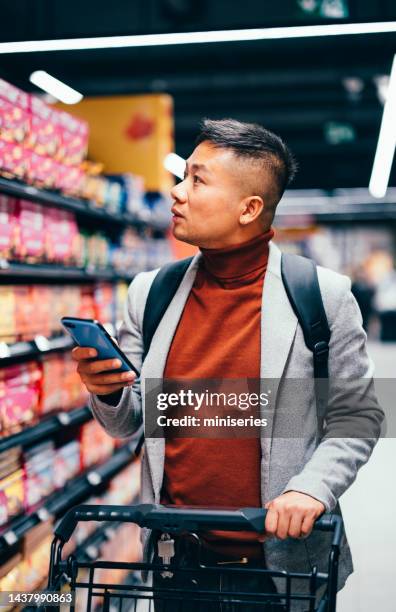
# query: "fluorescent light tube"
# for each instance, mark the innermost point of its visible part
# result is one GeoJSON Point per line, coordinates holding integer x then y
{"type": "Point", "coordinates": [55, 88]}
{"type": "Point", "coordinates": [386, 141]}
{"type": "Point", "coordinates": [184, 38]}
{"type": "Point", "coordinates": [175, 164]}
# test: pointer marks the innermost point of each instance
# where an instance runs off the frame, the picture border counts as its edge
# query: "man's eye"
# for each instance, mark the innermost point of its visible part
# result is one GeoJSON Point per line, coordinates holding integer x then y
{"type": "Point", "coordinates": [196, 179]}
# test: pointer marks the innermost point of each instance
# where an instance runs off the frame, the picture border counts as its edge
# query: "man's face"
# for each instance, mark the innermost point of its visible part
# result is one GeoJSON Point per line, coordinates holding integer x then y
{"type": "Point", "coordinates": [206, 207]}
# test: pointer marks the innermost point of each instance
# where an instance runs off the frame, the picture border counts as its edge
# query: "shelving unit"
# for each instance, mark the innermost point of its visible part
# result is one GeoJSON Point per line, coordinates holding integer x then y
{"type": "Point", "coordinates": [341, 205]}
{"type": "Point", "coordinates": [95, 479]}
{"type": "Point", "coordinates": [48, 427]}
{"type": "Point", "coordinates": [33, 348]}
{"type": "Point", "coordinates": [83, 208]}
{"type": "Point", "coordinates": [43, 272]}
{"type": "Point", "coordinates": [76, 491]}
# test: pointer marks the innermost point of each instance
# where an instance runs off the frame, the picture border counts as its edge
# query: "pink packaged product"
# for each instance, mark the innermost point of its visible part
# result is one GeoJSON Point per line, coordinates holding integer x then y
{"type": "Point", "coordinates": [44, 134]}
{"type": "Point", "coordinates": [19, 396]}
{"type": "Point", "coordinates": [61, 232]}
{"type": "Point", "coordinates": [30, 241]}
{"type": "Point", "coordinates": [74, 135]}
{"type": "Point", "coordinates": [67, 463]}
{"type": "Point", "coordinates": [41, 170]}
{"type": "Point", "coordinates": [39, 473]}
{"type": "Point", "coordinates": [8, 224]}
{"type": "Point", "coordinates": [3, 508]}
{"type": "Point", "coordinates": [69, 179]}
{"type": "Point", "coordinates": [14, 160]}
{"type": "Point", "coordinates": [14, 113]}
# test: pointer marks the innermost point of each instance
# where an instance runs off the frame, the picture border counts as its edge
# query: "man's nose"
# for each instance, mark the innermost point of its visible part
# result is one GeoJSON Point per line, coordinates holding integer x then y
{"type": "Point", "coordinates": [179, 192]}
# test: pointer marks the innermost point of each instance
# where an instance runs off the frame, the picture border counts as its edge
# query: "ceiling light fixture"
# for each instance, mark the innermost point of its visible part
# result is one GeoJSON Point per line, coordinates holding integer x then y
{"type": "Point", "coordinates": [175, 164]}
{"type": "Point", "coordinates": [386, 142]}
{"type": "Point", "coordinates": [55, 88]}
{"type": "Point", "coordinates": [184, 38]}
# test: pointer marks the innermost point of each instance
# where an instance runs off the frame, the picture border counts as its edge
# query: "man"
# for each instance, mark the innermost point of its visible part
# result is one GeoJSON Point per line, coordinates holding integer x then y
{"type": "Point", "coordinates": [231, 318]}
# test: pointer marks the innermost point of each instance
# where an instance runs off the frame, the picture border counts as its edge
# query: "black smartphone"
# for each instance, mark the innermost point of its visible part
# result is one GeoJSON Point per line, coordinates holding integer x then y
{"type": "Point", "coordinates": [91, 333]}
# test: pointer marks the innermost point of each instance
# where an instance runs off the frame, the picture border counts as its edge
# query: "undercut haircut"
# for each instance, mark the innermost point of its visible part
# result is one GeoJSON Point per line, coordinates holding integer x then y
{"type": "Point", "coordinates": [252, 142]}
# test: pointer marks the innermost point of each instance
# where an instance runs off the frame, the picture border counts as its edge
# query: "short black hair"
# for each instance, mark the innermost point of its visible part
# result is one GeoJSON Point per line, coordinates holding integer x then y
{"type": "Point", "coordinates": [252, 141]}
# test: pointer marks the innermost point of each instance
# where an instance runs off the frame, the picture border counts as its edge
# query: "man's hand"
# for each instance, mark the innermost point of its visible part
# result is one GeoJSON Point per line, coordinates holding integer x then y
{"type": "Point", "coordinates": [292, 514]}
{"type": "Point", "coordinates": [98, 374]}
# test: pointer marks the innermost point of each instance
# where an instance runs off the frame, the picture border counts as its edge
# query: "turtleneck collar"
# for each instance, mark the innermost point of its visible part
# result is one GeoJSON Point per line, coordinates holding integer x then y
{"type": "Point", "coordinates": [238, 261]}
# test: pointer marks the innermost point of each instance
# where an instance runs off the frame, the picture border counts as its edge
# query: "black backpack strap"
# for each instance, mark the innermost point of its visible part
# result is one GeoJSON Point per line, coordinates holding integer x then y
{"type": "Point", "coordinates": [161, 293]}
{"type": "Point", "coordinates": [300, 279]}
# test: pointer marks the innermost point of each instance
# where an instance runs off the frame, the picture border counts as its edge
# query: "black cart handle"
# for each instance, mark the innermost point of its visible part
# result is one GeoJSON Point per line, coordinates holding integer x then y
{"type": "Point", "coordinates": [177, 519]}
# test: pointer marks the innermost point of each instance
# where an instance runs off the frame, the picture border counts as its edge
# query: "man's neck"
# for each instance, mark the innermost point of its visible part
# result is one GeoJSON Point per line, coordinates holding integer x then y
{"type": "Point", "coordinates": [234, 240]}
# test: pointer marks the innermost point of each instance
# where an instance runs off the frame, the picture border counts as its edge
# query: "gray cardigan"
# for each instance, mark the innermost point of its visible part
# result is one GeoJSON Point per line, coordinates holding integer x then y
{"type": "Point", "coordinates": [323, 468]}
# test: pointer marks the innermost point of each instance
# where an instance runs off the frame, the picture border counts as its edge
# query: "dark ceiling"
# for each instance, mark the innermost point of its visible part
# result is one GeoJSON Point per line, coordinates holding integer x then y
{"type": "Point", "coordinates": [318, 94]}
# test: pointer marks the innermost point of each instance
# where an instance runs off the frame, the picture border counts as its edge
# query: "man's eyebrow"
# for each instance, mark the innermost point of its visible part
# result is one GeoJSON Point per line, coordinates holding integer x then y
{"type": "Point", "coordinates": [195, 166]}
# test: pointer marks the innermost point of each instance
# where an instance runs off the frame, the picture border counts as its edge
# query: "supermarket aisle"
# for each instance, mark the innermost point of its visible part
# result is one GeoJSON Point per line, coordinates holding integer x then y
{"type": "Point", "coordinates": [369, 512]}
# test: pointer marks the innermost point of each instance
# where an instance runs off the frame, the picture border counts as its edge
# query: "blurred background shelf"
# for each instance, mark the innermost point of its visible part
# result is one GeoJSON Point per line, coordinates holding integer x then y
{"type": "Point", "coordinates": [81, 207]}
{"type": "Point", "coordinates": [13, 271]}
{"type": "Point", "coordinates": [47, 428]}
{"type": "Point", "coordinates": [339, 205]}
{"type": "Point", "coordinates": [33, 348]}
{"type": "Point", "coordinates": [76, 491]}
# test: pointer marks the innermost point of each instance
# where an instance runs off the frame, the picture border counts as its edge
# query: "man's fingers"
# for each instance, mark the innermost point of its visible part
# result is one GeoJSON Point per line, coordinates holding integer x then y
{"type": "Point", "coordinates": [122, 378]}
{"type": "Point", "coordinates": [82, 352]}
{"type": "Point", "coordinates": [307, 526]}
{"type": "Point", "coordinates": [292, 514]}
{"type": "Point", "coordinates": [271, 521]}
{"type": "Point", "coordinates": [295, 525]}
{"type": "Point", "coordinates": [99, 365]}
{"type": "Point", "coordinates": [282, 531]}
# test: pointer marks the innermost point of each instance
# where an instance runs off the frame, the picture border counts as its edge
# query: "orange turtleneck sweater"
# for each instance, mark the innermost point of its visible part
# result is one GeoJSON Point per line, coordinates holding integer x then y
{"type": "Point", "coordinates": [218, 336]}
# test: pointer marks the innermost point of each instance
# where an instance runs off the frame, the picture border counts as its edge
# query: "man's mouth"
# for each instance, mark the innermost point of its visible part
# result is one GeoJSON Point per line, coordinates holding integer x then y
{"type": "Point", "coordinates": [176, 213]}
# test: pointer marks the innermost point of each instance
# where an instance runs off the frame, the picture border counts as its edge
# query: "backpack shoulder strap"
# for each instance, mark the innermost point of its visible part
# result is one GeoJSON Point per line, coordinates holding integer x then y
{"type": "Point", "coordinates": [300, 278]}
{"type": "Point", "coordinates": [162, 290]}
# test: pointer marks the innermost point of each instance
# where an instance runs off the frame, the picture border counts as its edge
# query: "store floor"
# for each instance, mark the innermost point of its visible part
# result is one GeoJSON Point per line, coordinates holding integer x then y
{"type": "Point", "coordinates": [369, 513]}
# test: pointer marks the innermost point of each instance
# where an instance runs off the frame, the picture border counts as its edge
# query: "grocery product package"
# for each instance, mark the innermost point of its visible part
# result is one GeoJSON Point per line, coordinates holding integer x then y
{"type": "Point", "coordinates": [8, 224]}
{"type": "Point", "coordinates": [39, 464]}
{"type": "Point", "coordinates": [67, 463]}
{"type": "Point", "coordinates": [14, 113]}
{"type": "Point", "coordinates": [30, 232]}
{"type": "Point", "coordinates": [11, 485]}
{"type": "Point", "coordinates": [95, 444]}
{"type": "Point", "coordinates": [19, 396]}
{"type": "Point", "coordinates": [61, 385]}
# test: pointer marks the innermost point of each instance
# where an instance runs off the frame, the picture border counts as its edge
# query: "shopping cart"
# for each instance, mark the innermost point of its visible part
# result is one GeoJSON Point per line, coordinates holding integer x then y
{"type": "Point", "coordinates": [169, 523]}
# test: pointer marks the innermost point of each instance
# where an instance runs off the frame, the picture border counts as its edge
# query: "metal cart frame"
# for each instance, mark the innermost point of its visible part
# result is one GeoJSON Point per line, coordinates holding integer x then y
{"type": "Point", "coordinates": [176, 520]}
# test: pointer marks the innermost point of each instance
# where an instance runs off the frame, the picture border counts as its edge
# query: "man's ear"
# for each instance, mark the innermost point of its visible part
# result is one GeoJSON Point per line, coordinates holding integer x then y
{"type": "Point", "coordinates": [250, 209]}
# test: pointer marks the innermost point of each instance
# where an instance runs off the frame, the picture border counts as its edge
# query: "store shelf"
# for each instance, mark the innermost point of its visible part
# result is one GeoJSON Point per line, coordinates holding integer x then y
{"type": "Point", "coordinates": [46, 428]}
{"type": "Point", "coordinates": [40, 345]}
{"type": "Point", "coordinates": [13, 270]}
{"type": "Point", "coordinates": [33, 348]}
{"type": "Point", "coordinates": [76, 490]}
{"type": "Point", "coordinates": [87, 551]}
{"type": "Point", "coordinates": [82, 207]}
{"type": "Point", "coordinates": [341, 205]}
